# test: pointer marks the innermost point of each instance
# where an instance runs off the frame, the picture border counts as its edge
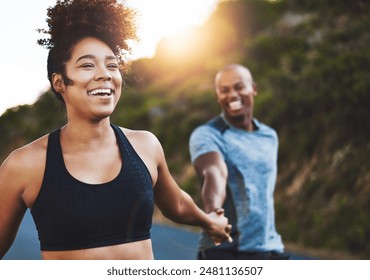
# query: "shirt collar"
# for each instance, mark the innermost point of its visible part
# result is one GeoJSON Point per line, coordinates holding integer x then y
{"type": "Point", "coordinates": [255, 123]}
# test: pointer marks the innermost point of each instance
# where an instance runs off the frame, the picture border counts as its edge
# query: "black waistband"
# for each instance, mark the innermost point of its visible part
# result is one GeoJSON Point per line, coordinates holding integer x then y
{"type": "Point", "coordinates": [227, 254]}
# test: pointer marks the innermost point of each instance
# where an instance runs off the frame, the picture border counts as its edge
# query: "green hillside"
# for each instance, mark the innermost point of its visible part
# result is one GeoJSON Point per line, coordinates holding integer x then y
{"type": "Point", "coordinates": [311, 62]}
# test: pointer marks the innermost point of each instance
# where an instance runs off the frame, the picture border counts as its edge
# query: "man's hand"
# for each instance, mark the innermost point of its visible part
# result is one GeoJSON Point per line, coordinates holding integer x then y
{"type": "Point", "coordinates": [220, 229]}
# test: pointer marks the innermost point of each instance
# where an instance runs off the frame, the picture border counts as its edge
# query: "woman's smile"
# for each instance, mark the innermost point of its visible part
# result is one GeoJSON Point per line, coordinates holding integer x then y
{"type": "Point", "coordinates": [101, 92]}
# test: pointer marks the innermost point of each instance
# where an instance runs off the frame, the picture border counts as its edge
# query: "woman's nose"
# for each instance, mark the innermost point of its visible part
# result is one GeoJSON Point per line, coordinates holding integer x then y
{"type": "Point", "coordinates": [103, 74]}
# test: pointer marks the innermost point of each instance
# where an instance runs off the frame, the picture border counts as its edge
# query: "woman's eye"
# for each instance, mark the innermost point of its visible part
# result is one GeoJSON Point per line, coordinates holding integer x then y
{"type": "Point", "coordinates": [87, 65]}
{"type": "Point", "coordinates": [113, 65]}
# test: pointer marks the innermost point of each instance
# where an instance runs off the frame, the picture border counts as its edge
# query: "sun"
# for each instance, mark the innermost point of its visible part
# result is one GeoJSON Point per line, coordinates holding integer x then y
{"type": "Point", "coordinates": [158, 19]}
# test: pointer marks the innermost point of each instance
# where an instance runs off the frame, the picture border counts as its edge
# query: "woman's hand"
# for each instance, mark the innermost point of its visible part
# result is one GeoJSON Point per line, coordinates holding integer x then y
{"type": "Point", "coordinates": [219, 230]}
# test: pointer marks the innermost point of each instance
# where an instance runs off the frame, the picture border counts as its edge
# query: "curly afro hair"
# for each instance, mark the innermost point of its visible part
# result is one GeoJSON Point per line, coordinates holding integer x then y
{"type": "Point", "coordinates": [69, 21]}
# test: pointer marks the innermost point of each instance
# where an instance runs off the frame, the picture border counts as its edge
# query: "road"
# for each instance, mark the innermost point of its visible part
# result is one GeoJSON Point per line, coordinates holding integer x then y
{"type": "Point", "coordinates": [169, 243]}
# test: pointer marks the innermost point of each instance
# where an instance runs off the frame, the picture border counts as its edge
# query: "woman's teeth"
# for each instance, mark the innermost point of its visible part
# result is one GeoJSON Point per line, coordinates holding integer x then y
{"type": "Point", "coordinates": [95, 92]}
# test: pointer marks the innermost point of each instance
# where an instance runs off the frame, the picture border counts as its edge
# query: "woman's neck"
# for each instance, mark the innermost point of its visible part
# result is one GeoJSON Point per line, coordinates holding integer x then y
{"type": "Point", "coordinates": [86, 132]}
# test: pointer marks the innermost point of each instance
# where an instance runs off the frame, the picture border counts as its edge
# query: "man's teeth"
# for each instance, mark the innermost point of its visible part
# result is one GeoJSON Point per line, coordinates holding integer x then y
{"type": "Point", "coordinates": [101, 91]}
{"type": "Point", "coordinates": [235, 105]}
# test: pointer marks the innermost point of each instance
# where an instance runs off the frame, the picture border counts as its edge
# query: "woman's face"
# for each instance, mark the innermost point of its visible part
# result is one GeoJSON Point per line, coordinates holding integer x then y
{"type": "Point", "coordinates": [96, 80]}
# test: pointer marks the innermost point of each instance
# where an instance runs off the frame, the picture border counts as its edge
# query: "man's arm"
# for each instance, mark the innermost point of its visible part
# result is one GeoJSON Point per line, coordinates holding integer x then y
{"type": "Point", "coordinates": [213, 170]}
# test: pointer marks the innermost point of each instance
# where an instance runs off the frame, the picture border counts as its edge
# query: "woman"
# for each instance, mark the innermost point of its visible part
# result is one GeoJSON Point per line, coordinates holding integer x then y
{"type": "Point", "coordinates": [91, 185]}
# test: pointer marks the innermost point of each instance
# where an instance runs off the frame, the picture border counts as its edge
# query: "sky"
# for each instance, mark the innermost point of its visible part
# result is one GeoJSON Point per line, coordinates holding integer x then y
{"type": "Point", "coordinates": [23, 73]}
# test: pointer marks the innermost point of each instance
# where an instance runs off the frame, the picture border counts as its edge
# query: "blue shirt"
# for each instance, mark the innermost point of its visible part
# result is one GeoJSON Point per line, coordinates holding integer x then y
{"type": "Point", "coordinates": [251, 159]}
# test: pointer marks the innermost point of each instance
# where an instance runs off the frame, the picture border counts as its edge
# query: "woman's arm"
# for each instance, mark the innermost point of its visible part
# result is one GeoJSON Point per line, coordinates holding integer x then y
{"type": "Point", "coordinates": [12, 206]}
{"type": "Point", "coordinates": [178, 206]}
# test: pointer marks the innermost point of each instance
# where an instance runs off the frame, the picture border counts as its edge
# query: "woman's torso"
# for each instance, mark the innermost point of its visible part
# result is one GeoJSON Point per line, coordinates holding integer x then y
{"type": "Point", "coordinates": [100, 169]}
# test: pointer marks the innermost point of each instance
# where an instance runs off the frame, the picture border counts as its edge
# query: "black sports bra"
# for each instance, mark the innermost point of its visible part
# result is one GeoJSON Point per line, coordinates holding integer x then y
{"type": "Point", "coordinates": [71, 215]}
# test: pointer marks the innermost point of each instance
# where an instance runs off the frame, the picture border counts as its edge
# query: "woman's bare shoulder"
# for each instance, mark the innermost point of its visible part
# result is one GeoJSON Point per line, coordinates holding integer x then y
{"type": "Point", "coordinates": [146, 144]}
{"type": "Point", "coordinates": [142, 136]}
{"type": "Point", "coordinates": [29, 156]}
{"type": "Point", "coordinates": [23, 170]}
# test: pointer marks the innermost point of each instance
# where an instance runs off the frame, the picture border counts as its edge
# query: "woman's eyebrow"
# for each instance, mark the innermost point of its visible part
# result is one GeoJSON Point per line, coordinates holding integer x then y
{"type": "Point", "coordinates": [90, 56]}
{"type": "Point", "coordinates": [111, 57]}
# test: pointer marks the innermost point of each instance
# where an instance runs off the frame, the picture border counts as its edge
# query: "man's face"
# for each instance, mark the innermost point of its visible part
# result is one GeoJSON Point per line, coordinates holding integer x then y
{"type": "Point", "coordinates": [235, 92]}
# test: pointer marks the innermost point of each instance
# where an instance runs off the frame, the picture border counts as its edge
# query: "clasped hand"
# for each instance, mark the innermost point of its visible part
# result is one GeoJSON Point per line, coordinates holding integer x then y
{"type": "Point", "coordinates": [220, 230]}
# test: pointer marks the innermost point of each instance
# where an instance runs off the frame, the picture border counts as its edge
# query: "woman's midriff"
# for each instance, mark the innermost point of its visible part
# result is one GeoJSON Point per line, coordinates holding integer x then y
{"type": "Point", "coordinates": [139, 250]}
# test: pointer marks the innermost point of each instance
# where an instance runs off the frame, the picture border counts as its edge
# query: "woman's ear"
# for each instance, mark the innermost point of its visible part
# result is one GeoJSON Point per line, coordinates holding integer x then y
{"type": "Point", "coordinates": [58, 83]}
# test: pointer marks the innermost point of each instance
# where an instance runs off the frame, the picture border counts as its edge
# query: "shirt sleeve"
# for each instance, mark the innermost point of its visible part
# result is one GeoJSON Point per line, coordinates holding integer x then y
{"type": "Point", "coordinates": [204, 140]}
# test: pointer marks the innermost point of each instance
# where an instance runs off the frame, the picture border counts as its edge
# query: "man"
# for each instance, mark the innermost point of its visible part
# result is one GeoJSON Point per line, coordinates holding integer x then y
{"type": "Point", "coordinates": [236, 157]}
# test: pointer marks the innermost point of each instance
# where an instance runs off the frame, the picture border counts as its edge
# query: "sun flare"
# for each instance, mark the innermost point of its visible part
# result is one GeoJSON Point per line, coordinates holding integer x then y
{"type": "Point", "coordinates": [164, 18]}
{"type": "Point", "coordinates": [156, 19]}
